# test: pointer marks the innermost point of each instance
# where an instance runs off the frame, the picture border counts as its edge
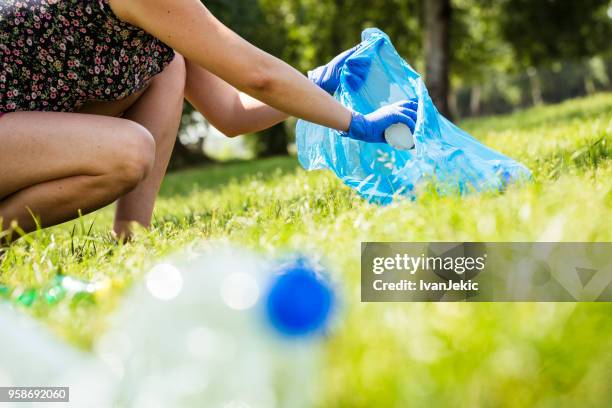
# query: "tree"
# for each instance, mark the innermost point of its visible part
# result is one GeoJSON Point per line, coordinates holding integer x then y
{"type": "Point", "coordinates": [478, 53]}
{"type": "Point", "coordinates": [437, 20]}
{"type": "Point", "coordinates": [542, 32]}
{"type": "Point", "coordinates": [248, 20]}
{"type": "Point", "coordinates": [309, 33]}
{"type": "Point", "coordinates": [318, 30]}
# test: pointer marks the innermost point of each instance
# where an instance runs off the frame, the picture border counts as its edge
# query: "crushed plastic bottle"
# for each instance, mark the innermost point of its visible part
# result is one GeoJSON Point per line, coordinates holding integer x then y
{"type": "Point", "coordinates": [60, 288]}
{"type": "Point", "coordinates": [5, 292]}
{"type": "Point", "coordinates": [233, 327]}
{"type": "Point", "coordinates": [444, 156]}
{"type": "Point", "coordinates": [27, 297]}
{"type": "Point", "coordinates": [215, 327]}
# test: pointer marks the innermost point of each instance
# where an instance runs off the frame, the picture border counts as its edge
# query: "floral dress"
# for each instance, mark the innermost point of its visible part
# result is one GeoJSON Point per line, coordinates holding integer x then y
{"type": "Point", "coordinates": [55, 55]}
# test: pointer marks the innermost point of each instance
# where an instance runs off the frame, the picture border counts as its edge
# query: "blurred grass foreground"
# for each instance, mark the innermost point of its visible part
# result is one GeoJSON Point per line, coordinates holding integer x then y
{"type": "Point", "coordinates": [385, 355]}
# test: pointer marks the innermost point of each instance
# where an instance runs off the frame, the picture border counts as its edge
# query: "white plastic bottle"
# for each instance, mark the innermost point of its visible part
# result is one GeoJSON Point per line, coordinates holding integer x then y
{"type": "Point", "coordinates": [400, 137]}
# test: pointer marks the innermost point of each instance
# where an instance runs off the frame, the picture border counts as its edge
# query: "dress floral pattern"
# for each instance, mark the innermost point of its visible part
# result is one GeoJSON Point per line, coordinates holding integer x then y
{"type": "Point", "coordinates": [55, 55]}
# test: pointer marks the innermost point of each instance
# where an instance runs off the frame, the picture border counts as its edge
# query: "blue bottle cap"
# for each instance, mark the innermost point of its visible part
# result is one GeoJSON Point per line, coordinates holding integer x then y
{"type": "Point", "coordinates": [299, 302]}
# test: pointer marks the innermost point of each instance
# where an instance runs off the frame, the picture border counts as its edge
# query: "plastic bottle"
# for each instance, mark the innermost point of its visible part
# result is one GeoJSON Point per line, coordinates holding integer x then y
{"type": "Point", "coordinates": [400, 137]}
{"type": "Point", "coordinates": [59, 288]}
{"type": "Point", "coordinates": [218, 327]}
{"type": "Point", "coordinates": [76, 290]}
{"type": "Point", "coordinates": [224, 328]}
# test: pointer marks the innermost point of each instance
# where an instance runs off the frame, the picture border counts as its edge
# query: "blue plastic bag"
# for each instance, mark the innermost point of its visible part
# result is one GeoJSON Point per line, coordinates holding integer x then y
{"type": "Point", "coordinates": [445, 156]}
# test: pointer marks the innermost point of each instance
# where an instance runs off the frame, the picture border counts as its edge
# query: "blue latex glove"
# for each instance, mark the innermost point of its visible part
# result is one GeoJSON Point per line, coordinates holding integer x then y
{"type": "Point", "coordinates": [327, 76]}
{"type": "Point", "coordinates": [357, 70]}
{"type": "Point", "coordinates": [371, 128]}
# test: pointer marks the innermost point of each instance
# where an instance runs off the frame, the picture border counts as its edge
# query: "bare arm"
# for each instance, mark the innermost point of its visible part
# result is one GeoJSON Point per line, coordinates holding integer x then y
{"type": "Point", "coordinates": [188, 27]}
{"type": "Point", "coordinates": [232, 112]}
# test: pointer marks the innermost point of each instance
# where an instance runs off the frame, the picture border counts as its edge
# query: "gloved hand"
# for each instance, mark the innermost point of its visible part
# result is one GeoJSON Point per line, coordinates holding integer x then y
{"type": "Point", "coordinates": [327, 76]}
{"type": "Point", "coordinates": [371, 128]}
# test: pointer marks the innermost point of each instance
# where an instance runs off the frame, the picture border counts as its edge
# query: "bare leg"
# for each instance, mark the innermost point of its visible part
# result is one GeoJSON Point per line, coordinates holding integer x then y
{"type": "Point", "coordinates": [159, 110]}
{"type": "Point", "coordinates": [55, 164]}
{"type": "Point", "coordinates": [84, 161]}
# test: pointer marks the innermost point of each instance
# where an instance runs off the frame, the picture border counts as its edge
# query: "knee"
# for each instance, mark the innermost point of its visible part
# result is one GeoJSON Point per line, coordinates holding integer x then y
{"type": "Point", "coordinates": [135, 158]}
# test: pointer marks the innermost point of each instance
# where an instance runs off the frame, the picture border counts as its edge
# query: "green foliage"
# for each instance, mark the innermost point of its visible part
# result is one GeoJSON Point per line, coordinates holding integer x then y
{"type": "Point", "coordinates": [385, 355]}
{"type": "Point", "coordinates": [542, 31]}
{"type": "Point", "coordinates": [247, 19]}
{"type": "Point", "coordinates": [477, 45]}
{"type": "Point", "coordinates": [492, 43]}
{"type": "Point", "coordinates": [319, 30]}
{"type": "Point", "coordinates": [486, 34]}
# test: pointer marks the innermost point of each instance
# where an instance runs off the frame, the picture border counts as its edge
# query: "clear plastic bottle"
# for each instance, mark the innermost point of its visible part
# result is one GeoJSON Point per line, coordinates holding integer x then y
{"type": "Point", "coordinates": [224, 328]}
{"type": "Point", "coordinates": [215, 327]}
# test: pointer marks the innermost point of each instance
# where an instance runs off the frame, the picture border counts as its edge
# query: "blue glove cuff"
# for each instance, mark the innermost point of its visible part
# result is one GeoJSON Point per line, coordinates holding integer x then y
{"type": "Point", "coordinates": [358, 127]}
{"type": "Point", "coordinates": [319, 77]}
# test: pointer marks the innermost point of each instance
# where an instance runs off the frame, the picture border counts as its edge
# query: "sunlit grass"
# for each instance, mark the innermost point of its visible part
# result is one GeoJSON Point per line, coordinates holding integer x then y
{"type": "Point", "coordinates": [397, 355]}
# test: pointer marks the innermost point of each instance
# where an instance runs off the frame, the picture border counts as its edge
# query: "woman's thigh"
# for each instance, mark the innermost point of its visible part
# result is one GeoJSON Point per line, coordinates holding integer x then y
{"type": "Point", "coordinates": [36, 147]}
{"type": "Point", "coordinates": [173, 75]}
{"type": "Point", "coordinates": [114, 108]}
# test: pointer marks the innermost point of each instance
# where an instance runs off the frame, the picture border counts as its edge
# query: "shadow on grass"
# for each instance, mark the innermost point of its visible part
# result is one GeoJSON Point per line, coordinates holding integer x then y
{"type": "Point", "coordinates": [210, 177]}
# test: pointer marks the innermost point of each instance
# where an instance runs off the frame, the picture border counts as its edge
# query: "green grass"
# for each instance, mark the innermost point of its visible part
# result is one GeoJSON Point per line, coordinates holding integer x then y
{"type": "Point", "coordinates": [386, 355]}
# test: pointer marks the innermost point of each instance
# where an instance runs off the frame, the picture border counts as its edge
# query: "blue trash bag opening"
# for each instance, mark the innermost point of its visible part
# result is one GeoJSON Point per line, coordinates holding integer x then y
{"type": "Point", "coordinates": [445, 157]}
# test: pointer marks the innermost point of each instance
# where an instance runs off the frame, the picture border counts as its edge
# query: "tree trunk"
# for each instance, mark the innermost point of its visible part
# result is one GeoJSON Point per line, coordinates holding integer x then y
{"type": "Point", "coordinates": [437, 51]}
{"type": "Point", "coordinates": [475, 99]}
{"type": "Point", "coordinates": [453, 106]}
{"type": "Point", "coordinates": [273, 141]}
{"type": "Point", "coordinates": [183, 157]}
{"type": "Point", "coordinates": [536, 86]}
